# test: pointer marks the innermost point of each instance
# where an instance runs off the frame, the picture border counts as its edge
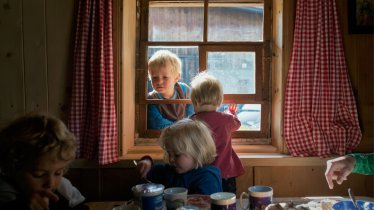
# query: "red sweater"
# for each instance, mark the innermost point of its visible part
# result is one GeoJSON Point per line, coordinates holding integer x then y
{"type": "Point", "coordinates": [222, 125]}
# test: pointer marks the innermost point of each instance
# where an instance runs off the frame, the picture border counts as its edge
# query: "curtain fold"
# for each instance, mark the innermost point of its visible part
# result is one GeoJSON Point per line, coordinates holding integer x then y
{"type": "Point", "coordinates": [320, 114]}
{"type": "Point", "coordinates": [92, 116]}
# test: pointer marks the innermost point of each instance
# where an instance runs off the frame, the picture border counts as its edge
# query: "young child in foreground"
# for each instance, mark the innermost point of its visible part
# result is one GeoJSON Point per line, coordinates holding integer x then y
{"type": "Point", "coordinates": [35, 151]}
{"type": "Point", "coordinates": [164, 70]}
{"type": "Point", "coordinates": [206, 97]}
{"type": "Point", "coordinates": [188, 150]}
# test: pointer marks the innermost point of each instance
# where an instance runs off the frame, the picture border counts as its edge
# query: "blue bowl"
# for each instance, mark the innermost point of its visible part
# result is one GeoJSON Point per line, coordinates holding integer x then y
{"type": "Point", "coordinates": [348, 205]}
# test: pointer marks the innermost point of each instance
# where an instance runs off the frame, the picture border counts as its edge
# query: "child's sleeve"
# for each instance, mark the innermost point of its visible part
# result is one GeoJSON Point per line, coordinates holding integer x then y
{"type": "Point", "coordinates": [70, 193]}
{"type": "Point", "coordinates": [155, 119]}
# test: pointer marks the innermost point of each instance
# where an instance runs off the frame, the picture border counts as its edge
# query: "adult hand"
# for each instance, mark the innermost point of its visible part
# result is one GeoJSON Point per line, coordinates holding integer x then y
{"type": "Point", "coordinates": [338, 169]}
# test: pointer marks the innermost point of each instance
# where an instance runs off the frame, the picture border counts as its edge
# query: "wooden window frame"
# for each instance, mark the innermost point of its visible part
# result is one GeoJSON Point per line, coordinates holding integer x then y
{"type": "Point", "coordinates": [281, 42]}
{"type": "Point", "coordinates": [262, 74]}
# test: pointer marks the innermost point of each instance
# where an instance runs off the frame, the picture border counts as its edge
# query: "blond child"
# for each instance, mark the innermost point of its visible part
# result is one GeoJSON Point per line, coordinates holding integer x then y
{"type": "Point", "coordinates": [35, 151]}
{"type": "Point", "coordinates": [206, 97]}
{"type": "Point", "coordinates": [188, 150]}
{"type": "Point", "coordinates": [164, 70]}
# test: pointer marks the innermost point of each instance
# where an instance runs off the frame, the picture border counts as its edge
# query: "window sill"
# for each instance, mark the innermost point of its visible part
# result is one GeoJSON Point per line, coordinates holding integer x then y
{"type": "Point", "coordinates": [136, 152]}
{"type": "Point", "coordinates": [250, 160]}
{"type": "Point", "coordinates": [250, 155]}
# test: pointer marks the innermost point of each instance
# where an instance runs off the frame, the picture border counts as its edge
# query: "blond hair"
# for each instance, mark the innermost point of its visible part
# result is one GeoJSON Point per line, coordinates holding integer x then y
{"type": "Point", "coordinates": [31, 136]}
{"type": "Point", "coordinates": [206, 90]}
{"type": "Point", "coordinates": [190, 137]}
{"type": "Point", "coordinates": [165, 58]}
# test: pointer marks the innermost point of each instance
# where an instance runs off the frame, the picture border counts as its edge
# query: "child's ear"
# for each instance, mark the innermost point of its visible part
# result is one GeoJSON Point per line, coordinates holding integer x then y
{"type": "Point", "coordinates": [178, 77]}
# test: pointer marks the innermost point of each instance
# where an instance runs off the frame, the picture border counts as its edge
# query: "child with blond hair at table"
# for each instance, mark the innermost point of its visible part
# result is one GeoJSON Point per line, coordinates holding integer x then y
{"type": "Point", "coordinates": [164, 70]}
{"type": "Point", "coordinates": [35, 151]}
{"type": "Point", "coordinates": [188, 152]}
{"type": "Point", "coordinates": [206, 97]}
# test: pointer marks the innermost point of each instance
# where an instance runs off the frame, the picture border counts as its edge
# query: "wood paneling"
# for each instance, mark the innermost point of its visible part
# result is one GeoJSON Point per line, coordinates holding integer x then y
{"type": "Point", "coordinates": [12, 90]}
{"type": "Point", "coordinates": [87, 180]}
{"type": "Point", "coordinates": [244, 181]}
{"type": "Point", "coordinates": [359, 49]}
{"type": "Point", "coordinates": [288, 178]}
{"type": "Point", "coordinates": [59, 42]}
{"type": "Point", "coordinates": [35, 55]}
{"type": "Point", "coordinates": [116, 183]}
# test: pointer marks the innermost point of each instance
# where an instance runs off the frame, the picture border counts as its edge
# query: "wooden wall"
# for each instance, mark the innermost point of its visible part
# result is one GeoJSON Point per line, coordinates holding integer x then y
{"type": "Point", "coordinates": [35, 74]}
{"type": "Point", "coordinates": [35, 56]}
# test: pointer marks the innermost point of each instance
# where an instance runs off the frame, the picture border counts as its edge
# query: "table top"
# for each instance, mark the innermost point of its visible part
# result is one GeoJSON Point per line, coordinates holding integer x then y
{"type": "Point", "coordinates": [104, 205]}
{"type": "Point", "coordinates": [109, 205]}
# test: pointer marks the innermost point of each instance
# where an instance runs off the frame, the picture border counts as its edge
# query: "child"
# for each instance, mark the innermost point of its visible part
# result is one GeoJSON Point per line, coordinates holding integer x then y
{"type": "Point", "coordinates": [35, 151]}
{"type": "Point", "coordinates": [206, 97]}
{"type": "Point", "coordinates": [188, 150]}
{"type": "Point", "coordinates": [164, 69]}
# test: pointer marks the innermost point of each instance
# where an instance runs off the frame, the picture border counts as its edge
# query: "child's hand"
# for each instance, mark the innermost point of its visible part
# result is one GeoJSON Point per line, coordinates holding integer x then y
{"type": "Point", "coordinates": [233, 109]}
{"type": "Point", "coordinates": [143, 167]}
{"type": "Point", "coordinates": [40, 200]}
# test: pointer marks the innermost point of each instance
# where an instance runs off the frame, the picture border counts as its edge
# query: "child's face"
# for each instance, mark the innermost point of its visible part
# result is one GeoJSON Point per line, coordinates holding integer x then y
{"type": "Point", "coordinates": [181, 161]}
{"type": "Point", "coordinates": [163, 81]}
{"type": "Point", "coordinates": [43, 177]}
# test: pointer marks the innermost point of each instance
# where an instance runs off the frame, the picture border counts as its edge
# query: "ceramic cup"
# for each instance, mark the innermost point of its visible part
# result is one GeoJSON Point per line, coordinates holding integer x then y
{"type": "Point", "coordinates": [223, 201]}
{"type": "Point", "coordinates": [175, 197]}
{"type": "Point", "coordinates": [258, 197]}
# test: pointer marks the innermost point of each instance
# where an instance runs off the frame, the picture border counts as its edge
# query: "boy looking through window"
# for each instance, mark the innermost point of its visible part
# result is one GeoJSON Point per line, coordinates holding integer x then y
{"type": "Point", "coordinates": [164, 70]}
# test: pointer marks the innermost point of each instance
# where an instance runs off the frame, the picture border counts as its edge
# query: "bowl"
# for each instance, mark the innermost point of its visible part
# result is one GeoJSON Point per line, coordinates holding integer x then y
{"type": "Point", "coordinates": [348, 205]}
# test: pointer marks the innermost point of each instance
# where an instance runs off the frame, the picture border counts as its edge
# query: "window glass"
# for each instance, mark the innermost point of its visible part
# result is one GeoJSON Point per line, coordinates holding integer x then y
{"type": "Point", "coordinates": [235, 70]}
{"type": "Point", "coordinates": [235, 22]}
{"type": "Point", "coordinates": [170, 21]}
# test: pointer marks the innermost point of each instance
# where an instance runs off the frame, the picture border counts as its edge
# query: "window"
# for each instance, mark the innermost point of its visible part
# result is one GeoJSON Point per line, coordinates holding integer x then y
{"type": "Point", "coordinates": [230, 39]}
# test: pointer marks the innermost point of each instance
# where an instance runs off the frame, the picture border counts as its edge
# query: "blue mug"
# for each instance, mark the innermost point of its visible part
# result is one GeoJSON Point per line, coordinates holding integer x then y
{"type": "Point", "coordinates": [259, 197]}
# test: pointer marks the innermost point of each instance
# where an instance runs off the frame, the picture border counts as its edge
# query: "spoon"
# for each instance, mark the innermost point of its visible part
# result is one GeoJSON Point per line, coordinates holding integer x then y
{"type": "Point", "coordinates": [145, 179]}
{"type": "Point", "coordinates": [353, 199]}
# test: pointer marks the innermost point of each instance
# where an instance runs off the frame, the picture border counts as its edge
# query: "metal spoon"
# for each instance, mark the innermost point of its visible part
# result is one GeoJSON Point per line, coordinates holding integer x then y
{"type": "Point", "coordinates": [145, 178]}
{"type": "Point", "coordinates": [353, 199]}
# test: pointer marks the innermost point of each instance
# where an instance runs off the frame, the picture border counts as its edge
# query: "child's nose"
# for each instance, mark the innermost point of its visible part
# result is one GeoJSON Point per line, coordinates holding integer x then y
{"type": "Point", "coordinates": [50, 182]}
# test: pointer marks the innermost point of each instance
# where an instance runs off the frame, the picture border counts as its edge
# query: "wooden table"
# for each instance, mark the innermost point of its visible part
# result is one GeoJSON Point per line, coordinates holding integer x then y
{"type": "Point", "coordinates": [104, 205]}
{"type": "Point", "coordinates": [109, 205]}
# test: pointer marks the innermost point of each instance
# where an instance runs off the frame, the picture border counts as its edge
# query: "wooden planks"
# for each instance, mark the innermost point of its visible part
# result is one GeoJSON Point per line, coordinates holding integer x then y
{"type": "Point", "coordinates": [34, 37]}
{"type": "Point", "coordinates": [12, 92]}
{"type": "Point", "coordinates": [59, 43]}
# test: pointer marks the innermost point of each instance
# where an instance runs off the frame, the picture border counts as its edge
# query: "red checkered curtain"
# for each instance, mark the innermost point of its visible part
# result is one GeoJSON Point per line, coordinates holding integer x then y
{"type": "Point", "coordinates": [92, 116]}
{"type": "Point", "coordinates": [320, 116]}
